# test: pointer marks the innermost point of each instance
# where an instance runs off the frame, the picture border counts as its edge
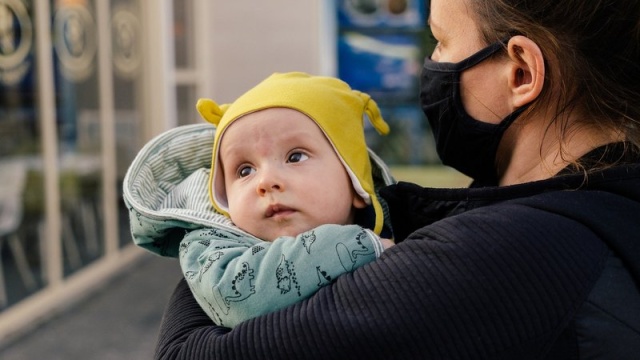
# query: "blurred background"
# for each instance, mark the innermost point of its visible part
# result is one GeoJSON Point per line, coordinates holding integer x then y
{"type": "Point", "coordinates": [84, 84]}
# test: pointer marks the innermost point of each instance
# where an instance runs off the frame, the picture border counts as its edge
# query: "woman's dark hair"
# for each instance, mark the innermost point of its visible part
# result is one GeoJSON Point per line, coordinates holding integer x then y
{"type": "Point", "coordinates": [592, 56]}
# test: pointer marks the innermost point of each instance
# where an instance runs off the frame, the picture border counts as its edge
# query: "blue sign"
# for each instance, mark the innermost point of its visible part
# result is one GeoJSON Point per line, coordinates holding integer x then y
{"type": "Point", "coordinates": [382, 13]}
{"type": "Point", "coordinates": [384, 65]}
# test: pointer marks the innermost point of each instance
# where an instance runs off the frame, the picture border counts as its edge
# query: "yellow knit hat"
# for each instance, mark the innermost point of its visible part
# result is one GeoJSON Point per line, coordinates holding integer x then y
{"type": "Point", "coordinates": [337, 109]}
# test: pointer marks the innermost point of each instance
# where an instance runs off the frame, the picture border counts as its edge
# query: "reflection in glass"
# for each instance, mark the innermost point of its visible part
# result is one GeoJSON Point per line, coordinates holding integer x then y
{"type": "Point", "coordinates": [126, 35]}
{"type": "Point", "coordinates": [79, 133]}
{"type": "Point", "coordinates": [21, 185]}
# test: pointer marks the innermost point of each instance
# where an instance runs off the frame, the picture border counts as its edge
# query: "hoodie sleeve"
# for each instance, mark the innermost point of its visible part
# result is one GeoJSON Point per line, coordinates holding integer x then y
{"type": "Point", "coordinates": [235, 278]}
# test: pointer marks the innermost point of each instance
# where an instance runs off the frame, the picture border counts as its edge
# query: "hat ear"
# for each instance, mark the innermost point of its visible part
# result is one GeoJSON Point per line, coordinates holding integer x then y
{"type": "Point", "coordinates": [210, 111]}
{"type": "Point", "coordinates": [373, 113]}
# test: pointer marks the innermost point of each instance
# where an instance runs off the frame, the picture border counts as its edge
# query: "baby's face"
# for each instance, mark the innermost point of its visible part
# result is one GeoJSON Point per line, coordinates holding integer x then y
{"type": "Point", "coordinates": [282, 176]}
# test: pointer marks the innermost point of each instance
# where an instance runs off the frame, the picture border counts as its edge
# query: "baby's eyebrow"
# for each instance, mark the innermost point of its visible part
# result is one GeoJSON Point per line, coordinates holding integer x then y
{"type": "Point", "coordinates": [227, 159]}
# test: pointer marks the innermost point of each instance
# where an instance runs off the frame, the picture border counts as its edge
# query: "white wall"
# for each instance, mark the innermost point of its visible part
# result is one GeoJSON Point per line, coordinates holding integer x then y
{"type": "Point", "coordinates": [250, 39]}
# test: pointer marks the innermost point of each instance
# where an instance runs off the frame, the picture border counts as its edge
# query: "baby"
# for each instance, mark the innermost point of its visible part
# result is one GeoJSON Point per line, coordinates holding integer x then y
{"type": "Point", "coordinates": [291, 170]}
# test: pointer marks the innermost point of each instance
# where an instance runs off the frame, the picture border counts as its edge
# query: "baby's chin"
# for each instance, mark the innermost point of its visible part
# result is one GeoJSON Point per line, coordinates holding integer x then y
{"type": "Point", "coordinates": [287, 232]}
{"type": "Point", "coordinates": [273, 237]}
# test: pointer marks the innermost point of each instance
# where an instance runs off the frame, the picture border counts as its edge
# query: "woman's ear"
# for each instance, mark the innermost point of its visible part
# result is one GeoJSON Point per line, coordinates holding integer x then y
{"type": "Point", "coordinates": [526, 77]}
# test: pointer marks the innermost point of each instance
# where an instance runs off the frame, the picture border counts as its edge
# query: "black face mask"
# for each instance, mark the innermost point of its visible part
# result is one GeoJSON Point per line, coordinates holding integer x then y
{"type": "Point", "coordinates": [462, 142]}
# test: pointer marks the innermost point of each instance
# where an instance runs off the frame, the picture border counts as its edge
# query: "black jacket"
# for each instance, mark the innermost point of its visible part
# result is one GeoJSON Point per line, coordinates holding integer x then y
{"type": "Point", "coordinates": [549, 269]}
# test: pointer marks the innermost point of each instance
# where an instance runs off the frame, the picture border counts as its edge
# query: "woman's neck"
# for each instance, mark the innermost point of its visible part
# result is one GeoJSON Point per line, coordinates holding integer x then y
{"type": "Point", "coordinates": [529, 160]}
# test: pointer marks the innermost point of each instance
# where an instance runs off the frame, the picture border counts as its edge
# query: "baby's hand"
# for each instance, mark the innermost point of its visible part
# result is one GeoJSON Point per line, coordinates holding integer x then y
{"type": "Point", "coordinates": [386, 243]}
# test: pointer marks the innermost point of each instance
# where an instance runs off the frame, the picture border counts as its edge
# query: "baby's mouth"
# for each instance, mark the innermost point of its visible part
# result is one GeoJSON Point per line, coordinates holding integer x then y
{"type": "Point", "coordinates": [277, 209]}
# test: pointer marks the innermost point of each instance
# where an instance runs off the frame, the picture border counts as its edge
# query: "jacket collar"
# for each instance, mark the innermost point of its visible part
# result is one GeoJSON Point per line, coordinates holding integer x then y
{"type": "Point", "coordinates": [412, 206]}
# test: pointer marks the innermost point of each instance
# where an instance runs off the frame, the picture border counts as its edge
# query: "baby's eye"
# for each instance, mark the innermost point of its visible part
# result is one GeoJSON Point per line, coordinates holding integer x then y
{"type": "Point", "coordinates": [245, 171]}
{"type": "Point", "coordinates": [297, 157]}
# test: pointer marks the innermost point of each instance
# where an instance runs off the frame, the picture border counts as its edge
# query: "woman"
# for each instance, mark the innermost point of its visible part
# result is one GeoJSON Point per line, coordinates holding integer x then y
{"type": "Point", "coordinates": [539, 102]}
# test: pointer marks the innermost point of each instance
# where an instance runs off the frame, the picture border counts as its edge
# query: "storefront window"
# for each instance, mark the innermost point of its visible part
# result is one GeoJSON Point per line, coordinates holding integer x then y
{"type": "Point", "coordinates": [183, 33]}
{"type": "Point", "coordinates": [21, 185]}
{"type": "Point", "coordinates": [79, 131]}
{"type": "Point", "coordinates": [127, 50]}
{"type": "Point", "coordinates": [185, 96]}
